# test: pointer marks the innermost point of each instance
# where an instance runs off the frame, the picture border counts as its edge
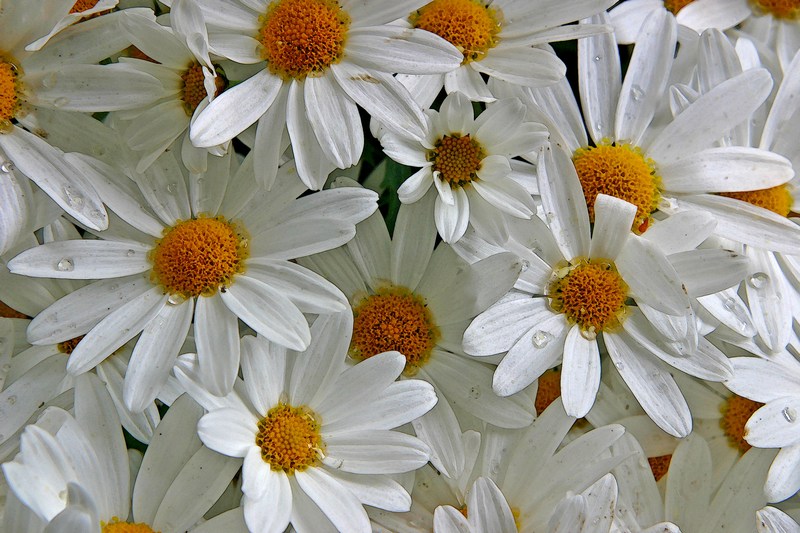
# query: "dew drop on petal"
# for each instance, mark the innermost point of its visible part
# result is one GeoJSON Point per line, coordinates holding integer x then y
{"type": "Point", "coordinates": [541, 338]}
{"type": "Point", "coordinates": [6, 166]}
{"type": "Point", "coordinates": [130, 253]}
{"type": "Point", "coordinates": [637, 93]}
{"type": "Point", "coordinates": [175, 299]}
{"type": "Point", "coordinates": [588, 334]}
{"type": "Point", "coordinates": [171, 188]}
{"type": "Point", "coordinates": [65, 264]}
{"type": "Point", "coordinates": [758, 280]}
{"type": "Point", "coordinates": [597, 58]}
{"type": "Point", "coordinates": [730, 304]}
{"type": "Point", "coordinates": [12, 400]}
{"type": "Point", "coordinates": [789, 414]}
{"type": "Point", "coordinates": [73, 199]}
{"type": "Point", "coordinates": [525, 265]}
{"type": "Point", "coordinates": [60, 102]}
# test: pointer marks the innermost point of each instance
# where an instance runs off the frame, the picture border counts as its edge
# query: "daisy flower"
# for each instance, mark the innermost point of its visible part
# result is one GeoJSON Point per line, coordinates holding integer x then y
{"type": "Point", "coordinates": [410, 297]}
{"type": "Point", "coordinates": [501, 39]}
{"type": "Point", "coordinates": [469, 162]}
{"type": "Point", "coordinates": [62, 76]}
{"type": "Point", "coordinates": [774, 22]}
{"type": "Point", "coordinates": [74, 473]}
{"type": "Point", "coordinates": [211, 249]}
{"type": "Point", "coordinates": [321, 60]}
{"type": "Point", "coordinates": [646, 163]}
{"type": "Point", "coordinates": [315, 434]}
{"type": "Point", "coordinates": [588, 284]}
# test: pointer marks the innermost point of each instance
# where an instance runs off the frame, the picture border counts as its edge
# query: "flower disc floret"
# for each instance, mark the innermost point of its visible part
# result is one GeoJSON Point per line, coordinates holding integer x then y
{"type": "Point", "coordinates": [115, 526]}
{"type": "Point", "coordinates": [776, 199]}
{"type": "Point", "coordinates": [289, 438]}
{"type": "Point", "coordinates": [9, 312]}
{"type": "Point", "coordinates": [9, 91]}
{"type": "Point", "coordinates": [394, 319]}
{"type": "Point", "coordinates": [469, 25]}
{"type": "Point", "coordinates": [591, 293]}
{"type": "Point", "coordinates": [194, 89]}
{"type": "Point", "coordinates": [659, 465]}
{"type": "Point", "coordinates": [197, 256]}
{"type": "Point", "coordinates": [68, 346]}
{"type": "Point", "coordinates": [457, 159]}
{"type": "Point", "coordinates": [736, 411]}
{"type": "Point", "coordinates": [548, 390]}
{"type": "Point", "coordinates": [676, 5]}
{"type": "Point", "coordinates": [303, 37]}
{"type": "Point", "coordinates": [619, 170]}
{"type": "Point", "coordinates": [782, 9]}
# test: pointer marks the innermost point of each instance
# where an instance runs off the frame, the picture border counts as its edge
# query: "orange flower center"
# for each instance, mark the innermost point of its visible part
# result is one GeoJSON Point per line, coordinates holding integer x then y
{"type": "Point", "coordinates": [8, 312]}
{"type": "Point", "coordinates": [9, 91]}
{"type": "Point", "coordinates": [394, 319]}
{"type": "Point", "coordinates": [782, 9]}
{"type": "Point", "coordinates": [548, 390]}
{"type": "Point", "coordinates": [289, 438]}
{"type": "Point", "coordinates": [591, 293]}
{"type": "Point", "coordinates": [735, 413]}
{"type": "Point", "coordinates": [457, 159]}
{"type": "Point", "coordinates": [619, 170]}
{"type": "Point", "coordinates": [469, 25]}
{"type": "Point", "coordinates": [83, 5]}
{"type": "Point", "coordinates": [776, 199]}
{"type": "Point", "coordinates": [115, 526]}
{"type": "Point", "coordinates": [659, 465]}
{"type": "Point", "coordinates": [676, 5]}
{"type": "Point", "coordinates": [67, 347]}
{"type": "Point", "coordinates": [194, 89]}
{"type": "Point", "coordinates": [198, 256]}
{"type": "Point", "coordinates": [303, 37]}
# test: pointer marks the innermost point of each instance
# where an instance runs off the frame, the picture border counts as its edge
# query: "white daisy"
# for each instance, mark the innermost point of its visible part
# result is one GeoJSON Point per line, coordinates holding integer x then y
{"type": "Point", "coordinates": [73, 473]}
{"type": "Point", "coordinates": [416, 299]}
{"type": "Point", "coordinates": [211, 240]}
{"type": "Point", "coordinates": [314, 434]}
{"type": "Point", "coordinates": [63, 76]}
{"type": "Point", "coordinates": [469, 162]}
{"type": "Point", "coordinates": [502, 39]}
{"type": "Point", "coordinates": [322, 59]}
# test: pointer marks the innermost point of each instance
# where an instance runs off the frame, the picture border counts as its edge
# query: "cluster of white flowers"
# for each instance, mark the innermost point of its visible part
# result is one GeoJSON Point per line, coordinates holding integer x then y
{"type": "Point", "coordinates": [577, 308]}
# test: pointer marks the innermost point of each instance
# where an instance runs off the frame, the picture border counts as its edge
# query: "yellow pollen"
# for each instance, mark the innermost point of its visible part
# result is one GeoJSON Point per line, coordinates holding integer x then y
{"type": "Point", "coordinates": [303, 37]}
{"type": "Point", "coordinates": [676, 5]}
{"type": "Point", "coordinates": [469, 25]}
{"type": "Point", "coordinates": [735, 413]}
{"type": "Point", "coordinates": [9, 91]}
{"type": "Point", "coordinates": [9, 312]}
{"type": "Point", "coordinates": [67, 347]}
{"type": "Point", "coordinates": [197, 256]}
{"type": "Point", "coordinates": [458, 159]}
{"type": "Point", "coordinates": [619, 170]}
{"type": "Point", "coordinates": [289, 438]}
{"type": "Point", "coordinates": [135, 53]}
{"type": "Point", "coordinates": [659, 465]}
{"type": "Point", "coordinates": [591, 293]}
{"type": "Point", "coordinates": [463, 510]}
{"type": "Point", "coordinates": [194, 89]}
{"type": "Point", "coordinates": [83, 5]}
{"type": "Point", "coordinates": [116, 526]}
{"type": "Point", "coordinates": [549, 389]}
{"type": "Point", "coordinates": [782, 9]}
{"type": "Point", "coordinates": [776, 199]}
{"type": "Point", "coordinates": [394, 319]}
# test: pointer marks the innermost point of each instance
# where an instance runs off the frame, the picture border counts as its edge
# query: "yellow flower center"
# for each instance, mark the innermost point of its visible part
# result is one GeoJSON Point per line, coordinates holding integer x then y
{"type": "Point", "coordinates": [394, 319]}
{"type": "Point", "coordinates": [289, 438]}
{"type": "Point", "coordinates": [548, 390]}
{"type": "Point", "coordinates": [194, 89]}
{"type": "Point", "coordinates": [735, 413]}
{"type": "Point", "coordinates": [469, 25]}
{"type": "Point", "coordinates": [83, 5]}
{"type": "Point", "coordinates": [9, 312]}
{"type": "Point", "coordinates": [591, 293]}
{"type": "Point", "coordinates": [619, 170]}
{"type": "Point", "coordinates": [198, 256]}
{"type": "Point", "coordinates": [659, 465]}
{"type": "Point", "coordinates": [676, 5]}
{"type": "Point", "coordinates": [782, 9]}
{"type": "Point", "coordinates": [115, 526]}
{"type": "Point", "coordinates": [9, 91]}
{"type": "Point", "coordinates": [457, 159]}
{"type": "Point", "coordinates": [777, 199]}
{"type": "Point", "coordinates": [303, 37]}
{"type": "Point", "coordinates": [67, 347]}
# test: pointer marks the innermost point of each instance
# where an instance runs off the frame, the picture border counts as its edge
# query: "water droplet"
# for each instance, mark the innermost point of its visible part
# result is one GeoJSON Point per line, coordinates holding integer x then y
{"type": "Point", "coordinates": [588, 334]}
{"type": "Point", "coordinates": [96, 213]}
{"type": "Point", "coordinates": [5, 369]}
{"type": "Point", "coordinates": [172, 187]}
{"type": "Point", "coordinates": [637, 93]}
{"type": "Point", "coordinates": [758, 280]}
{"type": "Point", "coordinates": [6, 166]}
{"type": "Point", "coordinates": [113, 287]}
{"type": "Point", "coordinates": [525, 265]}
{"type": "Point", "coordinates": [599, 126]}
{"type": "Point", "coordinates": [619, 365]}
{"type": "Point", "coordinates": [788, 413]}
{"type": "Point", "coordinates": [494, 467]}
{"type": "Point", "coordinates": [541, 338]}
{"type": "Point", "coordinates": [12, 400]}
{"type": "Point", "coordinates": [130, 253]}
{"type": "Point", "coordinates": [65, 264]}
{"type": "Point", "coordinates": [175, 299]}
{"type": "Point", "coordinates": [60, 102]}
{"type": "Point", "coordinates": [730, 304]}
{"type": "Point", "coordinates": [475, 392]}
{"type": "Point", "coordinates": [598, 58]}
{"type": "Point", "coordinates": [73, 199]}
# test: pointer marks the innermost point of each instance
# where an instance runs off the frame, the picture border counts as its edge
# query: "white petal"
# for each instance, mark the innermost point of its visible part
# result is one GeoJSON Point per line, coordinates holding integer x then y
{"type": "Point", "coordinates": [452, 220]}
{"type": "Point", "coordinates": [340, 506]}
{"type": "Point", "coordinates": [216, 334]}
{"type": "Point", "coordinates": [402, 50]}
{"type": "Point", "coordinates": [85, 259]}
{"type": "Point", "coordinates": [580, 375]}
{"type": "Point", "coordinates": [774, 425]}
{"type": "Point", "coordinates": [330, 113]}
{"type": "Point", "coordinates": [228, 431]}
{"type": "Point", "coordinates": [599, 75]}
{"type": "Point", "coordinates": [613, 221]}
{"type": "Point", "coordinates": [531, 67]}
{"type": "Point", "coordinates": [374, 452]}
